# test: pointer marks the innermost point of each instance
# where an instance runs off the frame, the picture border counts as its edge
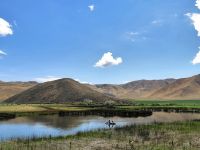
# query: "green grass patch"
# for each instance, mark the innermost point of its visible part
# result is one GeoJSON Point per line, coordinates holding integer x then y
{"type": "Point", "coordinates": [135, 105]}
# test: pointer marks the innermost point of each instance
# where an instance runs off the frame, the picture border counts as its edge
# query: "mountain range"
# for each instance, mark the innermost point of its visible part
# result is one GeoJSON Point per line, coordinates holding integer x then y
{"type": "Point", "coordinates": [133, 90]}
{"type": "Point", "coordinates": [167, 89]}
{"type": "Point", "coordinates": [69, 90]}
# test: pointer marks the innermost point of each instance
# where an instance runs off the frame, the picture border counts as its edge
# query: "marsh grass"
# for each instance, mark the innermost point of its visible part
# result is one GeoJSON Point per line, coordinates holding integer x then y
{"type": "Point", "coordinates": [158, 136]}
{"type": "Point", "coordinates": [29, 109]}
{"type": "Point", "coordinates": [32, 109]}
{"type": "Point", "coordinates": [163, 136]}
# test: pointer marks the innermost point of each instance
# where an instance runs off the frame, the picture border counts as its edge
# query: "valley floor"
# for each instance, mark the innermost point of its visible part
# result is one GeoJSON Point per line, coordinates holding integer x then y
{"type": "Point", "coordinates": [21, 109]}
{"type": "Point", "coordinates": [165, 136]}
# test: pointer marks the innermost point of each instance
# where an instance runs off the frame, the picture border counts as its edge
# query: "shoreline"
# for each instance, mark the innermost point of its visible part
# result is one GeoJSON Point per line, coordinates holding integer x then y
{"type": "Point", "coordinates": [178, 135]}
{"type": "Point", "coordinates": [116, 110]}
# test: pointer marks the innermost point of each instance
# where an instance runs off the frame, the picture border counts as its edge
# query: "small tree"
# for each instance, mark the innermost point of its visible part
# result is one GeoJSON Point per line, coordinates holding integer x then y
{"type": "Point", "coordinates": [88, 101]}
{"type": "Point", "coordinates": [109, 104]}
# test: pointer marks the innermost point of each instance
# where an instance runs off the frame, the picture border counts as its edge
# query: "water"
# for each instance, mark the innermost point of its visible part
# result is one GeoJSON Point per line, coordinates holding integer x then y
{"type": "Point", "coordinates": [41, 126]}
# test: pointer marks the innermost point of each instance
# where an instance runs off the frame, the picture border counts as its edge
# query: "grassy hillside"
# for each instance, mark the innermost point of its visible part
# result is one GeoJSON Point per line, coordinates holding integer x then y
{"type": "Point", "coordinates": [60, 91]}
{"type": "Point", "coordinates": [185, 88]}
{"type": "Point", "coordinates": [68, 90]}
{"type": "Point", "coordinates": [9, 89]}
{"type": "Point", "coordinates": [168, 89]}
{"type": "Point", "coordinates": [133, 90]}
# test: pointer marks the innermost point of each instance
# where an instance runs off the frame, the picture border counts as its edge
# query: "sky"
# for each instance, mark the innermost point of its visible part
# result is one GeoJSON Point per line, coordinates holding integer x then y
{"type": "Point", "coordinates": [99, 41]}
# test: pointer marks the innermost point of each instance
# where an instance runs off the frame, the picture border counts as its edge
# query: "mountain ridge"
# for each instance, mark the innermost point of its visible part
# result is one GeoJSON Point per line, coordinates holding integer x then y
{"type": "Point", "coordinates": [55, 91]}
{"type": "Point", "coordinates": [59, 91]}
{"type": "Point", "coordinates": [139, 89]}
{"type": "Point", "coordinates": [184, 88]}
{"type": "Point", "coordinates": [8, 89]}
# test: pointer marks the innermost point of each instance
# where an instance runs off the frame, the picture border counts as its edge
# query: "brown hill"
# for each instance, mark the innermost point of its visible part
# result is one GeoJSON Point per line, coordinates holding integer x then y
{"type": "Point", "coordinates": [68, 90]}
{"type": "Point", "coordinates": [185, 88]}
{"type": "Point", "coordinates": [59, 91]}
{"type": "Point", "coordinates": [8, 89]}
{"type": "Point", "coordinates": [140, 89]}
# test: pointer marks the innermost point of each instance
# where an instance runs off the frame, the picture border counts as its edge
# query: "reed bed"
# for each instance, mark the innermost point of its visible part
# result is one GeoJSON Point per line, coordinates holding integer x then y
{"type": "Point", "coordinates": [158, 136]}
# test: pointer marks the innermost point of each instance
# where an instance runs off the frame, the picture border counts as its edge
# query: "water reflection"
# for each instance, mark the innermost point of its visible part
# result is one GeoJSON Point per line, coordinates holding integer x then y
{"type": "Point", "coordinates": [54, 125]}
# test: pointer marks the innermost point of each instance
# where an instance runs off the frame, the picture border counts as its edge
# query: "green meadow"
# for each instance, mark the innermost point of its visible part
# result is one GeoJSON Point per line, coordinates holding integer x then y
{"type": "Point", "coordinates": [157, 136]}
{"type": "Point", "coordinates": [186, 105]}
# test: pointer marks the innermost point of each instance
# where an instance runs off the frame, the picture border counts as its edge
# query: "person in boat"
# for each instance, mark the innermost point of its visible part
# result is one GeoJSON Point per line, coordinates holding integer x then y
{"type": "Point", "coordinates": [110, 122]}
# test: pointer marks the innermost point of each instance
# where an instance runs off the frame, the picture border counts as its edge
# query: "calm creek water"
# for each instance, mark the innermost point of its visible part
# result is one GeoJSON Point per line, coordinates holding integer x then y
{"type": "Point", "coordinates": [54, 125]}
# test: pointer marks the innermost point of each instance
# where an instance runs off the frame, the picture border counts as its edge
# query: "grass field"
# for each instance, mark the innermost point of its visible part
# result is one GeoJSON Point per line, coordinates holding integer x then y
{"type": "Point", "coordinates": [170, 102]}
{"type": "Point", "coordinates": [24, 109]}
{"type": "Point", "coordinates": [136, 104]}
{"type": "Point", "coordinates": [165, 136]}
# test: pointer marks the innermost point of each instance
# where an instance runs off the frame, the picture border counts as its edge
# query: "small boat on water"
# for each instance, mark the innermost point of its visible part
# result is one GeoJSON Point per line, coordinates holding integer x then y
{"type": "Point", "coordinates": [110, 123]}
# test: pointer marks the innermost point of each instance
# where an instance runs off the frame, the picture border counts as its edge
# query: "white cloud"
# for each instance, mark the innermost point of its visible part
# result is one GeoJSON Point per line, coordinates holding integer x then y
{"type": "Point", "coordinates": [196, 59]}
{"type": "Point", "coordinates": [132, 33]}
{"type": "Point", "coordinates": [52, 78]}
{"type": "Point", "coordinates": [195, 17]}
{"type": "Point", "coordinates": [157, 22]}
{"type": "Point", "coordinates": [108, 60]}
{"type": "Point", "coordinates": [91, 7]}
{"type": "Point", "coordinates": [134, 36]}
{"type": "Point", "coordinates": [197, 4]}
{"type": "Point", "coordinates": [46, 79]}
{"type": "Point", "coordinates": [5, 28]}
{"type": "Point", "coordinates": [83, 82]}
{"type": "Point", "coordinates": [2, 53]}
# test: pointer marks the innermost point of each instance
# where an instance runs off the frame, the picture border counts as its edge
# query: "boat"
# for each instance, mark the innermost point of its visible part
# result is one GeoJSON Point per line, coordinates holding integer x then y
{"type": "Point", "coordinates": [109, 123]}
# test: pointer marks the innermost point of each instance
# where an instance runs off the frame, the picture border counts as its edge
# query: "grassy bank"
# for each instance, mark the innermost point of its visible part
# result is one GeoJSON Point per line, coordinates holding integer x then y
{"type": "Point", "coordinates": [165, 136]}
{"type": "Point", "coordinates": [156, 105]}
{"type": "Point", "coordinates": [28, 109]}
{"type": "Point", "coordinates": [183, 103]}
{"type": "Point", "coordinates": [186, 105]}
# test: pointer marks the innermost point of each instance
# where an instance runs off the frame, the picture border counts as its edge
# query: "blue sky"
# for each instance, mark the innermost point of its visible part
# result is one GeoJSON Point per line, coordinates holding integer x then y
{"type": "Point", "coordinates": [111, 41]}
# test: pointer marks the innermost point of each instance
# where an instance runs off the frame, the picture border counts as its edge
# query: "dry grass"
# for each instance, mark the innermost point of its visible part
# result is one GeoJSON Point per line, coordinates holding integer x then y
{"type": "Point", "coordinates": [21, 108]}
{"type": "Point", "coordinates": [8, 89]}
{"type": "Point", "coordinates": [34, 108]}
{"type": "Point", "coordinates": [169, 136]}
